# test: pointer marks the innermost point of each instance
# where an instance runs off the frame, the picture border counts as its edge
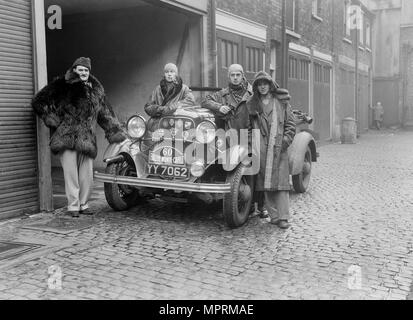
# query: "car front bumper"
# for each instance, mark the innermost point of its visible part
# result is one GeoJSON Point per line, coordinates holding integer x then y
{"type": "Point", "coordinates": [164, 184]}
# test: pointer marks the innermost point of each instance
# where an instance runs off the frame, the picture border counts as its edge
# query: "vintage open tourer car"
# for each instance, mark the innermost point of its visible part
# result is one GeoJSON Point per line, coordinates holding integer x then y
{"type": "Point", "coordinates": [182, 157]}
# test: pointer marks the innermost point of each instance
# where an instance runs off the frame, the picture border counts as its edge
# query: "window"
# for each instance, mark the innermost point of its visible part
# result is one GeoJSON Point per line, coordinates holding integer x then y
{"type": "Point", "coordinates": [229, 53]}
{"type": "Point", "coordinates": [318, 72]}
{"type": "Point", "coordinates": [303, 70]}
{"type": "Point", "coordinates": [347, 13]}
{"type": "Point", "coordinates": [316, 9]}
{"type": "Point", "coordinates": [361, 30]}
{"type": "Point", "coordinates": [233, 48]}
{"type": "Point", "coordinates": [273, 65]}
{"type": "Point", "coordinates": [291, 14]}
{"type": "Point", "coordinates": [298, 69]}
{"type": "Point", "coordinates": [293, 68]}
{"type": "Point", "coordinates": [368, 34]}
{"type": "Point", "coordinates": [253, 59]}
{"type": "Point", "coordinates": [326, 74]}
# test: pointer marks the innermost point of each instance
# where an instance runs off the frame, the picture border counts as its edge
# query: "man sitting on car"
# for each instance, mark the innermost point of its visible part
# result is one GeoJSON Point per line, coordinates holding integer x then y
{"type": "Point", "coordinates": [170, 95]}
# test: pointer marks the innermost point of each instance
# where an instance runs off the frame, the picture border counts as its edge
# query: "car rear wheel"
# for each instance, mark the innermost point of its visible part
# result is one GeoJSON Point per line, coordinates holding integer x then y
{"type": "Point", "coordinates": [121, 197]}
{"type": "Point", "coordinates": [302, 180]}
{"type": "Point", "coordinates": [238, 202]}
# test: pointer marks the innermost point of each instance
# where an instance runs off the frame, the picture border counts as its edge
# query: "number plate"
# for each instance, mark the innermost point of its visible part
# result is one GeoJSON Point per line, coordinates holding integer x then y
{"type": "Point", "coordinates": [168, 171]}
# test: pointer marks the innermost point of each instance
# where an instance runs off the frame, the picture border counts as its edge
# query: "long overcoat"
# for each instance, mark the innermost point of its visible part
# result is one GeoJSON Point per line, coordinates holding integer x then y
{"type": "Point", "coordinates": [276, 133]}
{"type": "Point", "coordinates": [71, 109]}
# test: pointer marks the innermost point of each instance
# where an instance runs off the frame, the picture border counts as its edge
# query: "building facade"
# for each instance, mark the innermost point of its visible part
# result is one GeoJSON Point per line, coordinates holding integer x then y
{"type": "Point", "coordinates": [393, 59]}
{"type": "Point", "coordinates": [325, 50]}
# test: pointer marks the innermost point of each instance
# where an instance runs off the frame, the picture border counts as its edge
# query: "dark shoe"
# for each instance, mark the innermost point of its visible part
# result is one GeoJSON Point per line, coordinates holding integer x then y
{"type": "Point", "coordinates": [86, 212]}
{"type": "Point", "coordinates": [275, 221]}
{"type": "Point", "coordinates": [283, 224]}
{"type": "Point", "coordinates": [75, 214]}
{"type": "Point", "coordinates": [253, 211]}
{"type": "Point", "coordinates": [263, 214]}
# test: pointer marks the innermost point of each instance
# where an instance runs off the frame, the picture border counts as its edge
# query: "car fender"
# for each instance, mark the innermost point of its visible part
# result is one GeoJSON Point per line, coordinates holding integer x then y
{"type": "Point", "coordinates": [130, 151]}
{"type": "Point", "coordinates": [233, 157]}
{"type": "Point", "coordinates": [296, 151]}
{"type": "Point", "coordinates": [115, 149]}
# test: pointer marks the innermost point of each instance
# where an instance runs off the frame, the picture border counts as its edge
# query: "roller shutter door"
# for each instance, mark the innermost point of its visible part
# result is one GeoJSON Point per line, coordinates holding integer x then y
{"type": "Point", "coordinates": [18, 146]}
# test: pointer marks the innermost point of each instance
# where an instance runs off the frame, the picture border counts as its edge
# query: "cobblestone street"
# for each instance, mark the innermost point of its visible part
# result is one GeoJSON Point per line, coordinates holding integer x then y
{"type": "Point", "coordinates": [357, 213]}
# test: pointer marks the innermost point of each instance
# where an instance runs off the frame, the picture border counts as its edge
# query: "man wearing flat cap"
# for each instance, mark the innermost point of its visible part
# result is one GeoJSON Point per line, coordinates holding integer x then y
{"type": "Point", "coordinates": [71, 106]}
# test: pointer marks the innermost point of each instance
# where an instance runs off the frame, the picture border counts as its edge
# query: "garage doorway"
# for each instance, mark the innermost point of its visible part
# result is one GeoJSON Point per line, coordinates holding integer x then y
{"type": "Point", "coordinates": [129, 42]}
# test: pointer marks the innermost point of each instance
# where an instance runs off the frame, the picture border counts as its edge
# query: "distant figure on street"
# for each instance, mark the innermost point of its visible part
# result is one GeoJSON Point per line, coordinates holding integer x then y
{"type": "Point", "coordinates": [378, 113]}
{"type": "Point", "coordinates": [71, 106]}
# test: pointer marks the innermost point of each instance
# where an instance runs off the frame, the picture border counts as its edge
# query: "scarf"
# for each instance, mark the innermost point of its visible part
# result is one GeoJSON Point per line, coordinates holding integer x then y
{"type": "Point", "coordinates": [170, 90]}
{"type": "Point", "coordinates": [238, 91]}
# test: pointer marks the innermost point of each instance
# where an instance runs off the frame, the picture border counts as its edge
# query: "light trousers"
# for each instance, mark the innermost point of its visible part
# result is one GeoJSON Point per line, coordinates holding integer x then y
{"type": "Point", "coordinates": [277, 204]}
{"type": "Point", "coordinates": [78, 174]}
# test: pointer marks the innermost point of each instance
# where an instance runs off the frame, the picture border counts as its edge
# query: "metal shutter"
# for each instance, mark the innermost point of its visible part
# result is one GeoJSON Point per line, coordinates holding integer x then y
{"type": "Point", "coordinates": [18, 137]}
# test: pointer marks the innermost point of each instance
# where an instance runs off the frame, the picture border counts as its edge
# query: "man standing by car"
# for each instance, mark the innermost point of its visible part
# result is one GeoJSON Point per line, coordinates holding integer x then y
{"type": "Point", "coordinates": [229, 104]}
{"type": "Point", "coordinates": [71, 106]}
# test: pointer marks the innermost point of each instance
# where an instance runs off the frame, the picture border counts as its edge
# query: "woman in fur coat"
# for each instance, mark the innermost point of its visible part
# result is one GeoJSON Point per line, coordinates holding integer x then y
{"type": "Point", "coordinates": [270, 113]}
{"type": "Point", "coordinates": [71, 106]}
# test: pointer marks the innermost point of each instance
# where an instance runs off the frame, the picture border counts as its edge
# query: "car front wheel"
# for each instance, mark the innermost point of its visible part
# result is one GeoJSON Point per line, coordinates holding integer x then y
{"type": "Point", "coordinates": [121, 197]}
{"type": "Point", "coordinates": [238, 202]}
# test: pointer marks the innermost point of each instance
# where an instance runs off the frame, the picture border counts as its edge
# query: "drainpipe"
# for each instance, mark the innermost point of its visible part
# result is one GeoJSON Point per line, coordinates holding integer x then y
{"type": "Point", "coordinates": [214, 43]}
{"type": "Point", "coordinates": [356, 73]}
{"type": "Point", "coordinates": [284, 47]}
{"type": "Point", "coordinates": [405, 55]}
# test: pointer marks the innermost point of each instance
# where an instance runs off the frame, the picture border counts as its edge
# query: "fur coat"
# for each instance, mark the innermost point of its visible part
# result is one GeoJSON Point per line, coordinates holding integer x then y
{"type": "Point", "coordinates": [71, 109]}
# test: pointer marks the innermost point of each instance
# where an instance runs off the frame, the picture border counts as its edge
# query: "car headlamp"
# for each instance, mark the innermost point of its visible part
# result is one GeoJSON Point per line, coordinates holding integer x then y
{"type": "Point", "coordinates": [197, 169]}
{"type": "Point", "coordinates": [136, 127]}
{"type": "Point", "coordinates": [205, 132]}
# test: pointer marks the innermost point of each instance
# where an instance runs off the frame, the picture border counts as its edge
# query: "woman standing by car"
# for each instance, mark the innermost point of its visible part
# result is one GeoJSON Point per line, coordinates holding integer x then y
{"type": "Point", "coordinates": [270, 112]}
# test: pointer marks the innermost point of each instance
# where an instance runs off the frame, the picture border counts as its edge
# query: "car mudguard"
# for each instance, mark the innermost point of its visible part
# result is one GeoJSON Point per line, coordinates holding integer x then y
{"type": "Point", "coordinates": [115, 149]}
{"type": "Point", "coordinates": [233, 157]}
{"type": "Point", "coordinates": [296, 151]}
{"type": "Point", "coordinates": [116, 152]}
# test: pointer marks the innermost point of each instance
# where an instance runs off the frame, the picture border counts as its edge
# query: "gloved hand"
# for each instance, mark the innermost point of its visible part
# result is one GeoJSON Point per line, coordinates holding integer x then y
{"type": "Point", "coordinates": [118, 137]}
{"type": "Point", "coordinates": [283, 94]}
{"type": "Point", "coordinates": [225, 109]}
{"type": "Point", "coordinates": [285, 144]}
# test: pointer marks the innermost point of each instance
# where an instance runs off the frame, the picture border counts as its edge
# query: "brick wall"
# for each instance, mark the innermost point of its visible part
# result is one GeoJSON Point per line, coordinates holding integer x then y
{"type": "Point", "coordinates": [314, 32]}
